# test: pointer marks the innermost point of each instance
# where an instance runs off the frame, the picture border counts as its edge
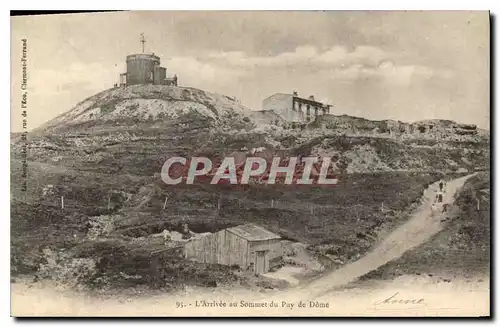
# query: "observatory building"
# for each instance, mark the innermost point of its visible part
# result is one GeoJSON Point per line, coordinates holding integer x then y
{"type": "Point", "coordinates": [144, 68]}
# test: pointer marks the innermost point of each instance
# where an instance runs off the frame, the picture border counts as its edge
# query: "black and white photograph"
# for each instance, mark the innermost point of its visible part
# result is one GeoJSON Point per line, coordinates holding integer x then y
{"type": "Point", "coordinates": [250, 164]}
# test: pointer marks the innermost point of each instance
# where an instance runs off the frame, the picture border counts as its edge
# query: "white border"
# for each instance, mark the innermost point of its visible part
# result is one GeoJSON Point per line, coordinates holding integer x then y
{"type": "Point", "coordinates": [189, 5]}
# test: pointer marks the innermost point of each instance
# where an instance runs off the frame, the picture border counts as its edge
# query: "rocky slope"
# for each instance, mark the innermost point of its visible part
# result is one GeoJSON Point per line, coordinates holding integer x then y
{"type": "Point", "coordinates": [104, 157]}
{"type": "Point", "coordinates": [145, 103]}
{"type": "Point", "coordinates": [133, 129]}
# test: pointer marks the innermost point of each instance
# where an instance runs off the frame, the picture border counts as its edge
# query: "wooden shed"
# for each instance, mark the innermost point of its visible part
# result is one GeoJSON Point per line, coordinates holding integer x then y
{"type": "Point", "coordinates": [248, 246]}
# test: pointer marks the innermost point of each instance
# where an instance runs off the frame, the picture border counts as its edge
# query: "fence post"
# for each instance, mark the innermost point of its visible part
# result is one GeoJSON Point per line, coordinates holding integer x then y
{"type": "Point", "coordinates": [109, 201]}
{"type": "Point", "coordinates": [62, 201]}
{"type": "Point", "coordinates": [272, 203]}
{"type": "Point", "coordinates": [165, 202]}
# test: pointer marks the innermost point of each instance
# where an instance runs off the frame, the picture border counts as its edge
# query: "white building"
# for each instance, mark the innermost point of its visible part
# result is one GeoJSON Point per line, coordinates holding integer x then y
{"type": "Point", "coordinates": [294, 108]}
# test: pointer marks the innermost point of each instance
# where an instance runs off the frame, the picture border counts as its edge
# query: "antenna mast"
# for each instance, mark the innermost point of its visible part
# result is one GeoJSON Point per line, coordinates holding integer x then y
{"type": "Point", "coordinates": [143, 40]}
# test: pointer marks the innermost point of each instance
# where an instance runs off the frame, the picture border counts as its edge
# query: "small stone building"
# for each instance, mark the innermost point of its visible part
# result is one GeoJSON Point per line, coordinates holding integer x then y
{"type": "Point", "coordinates": [248, 246]}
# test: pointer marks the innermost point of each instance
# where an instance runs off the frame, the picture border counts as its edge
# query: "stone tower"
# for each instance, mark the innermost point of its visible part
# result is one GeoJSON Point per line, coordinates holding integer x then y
{"type": "Point", "coordinates": [144, 68]}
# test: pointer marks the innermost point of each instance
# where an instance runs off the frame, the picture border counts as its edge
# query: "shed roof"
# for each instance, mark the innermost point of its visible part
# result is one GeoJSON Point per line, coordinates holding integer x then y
{"type": "Point", "coordinates": [253, 232]}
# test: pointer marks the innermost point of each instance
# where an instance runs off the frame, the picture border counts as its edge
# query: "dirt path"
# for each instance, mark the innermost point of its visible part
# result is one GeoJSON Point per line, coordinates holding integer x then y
{"type": "Point", "coordinates": [419, 228]}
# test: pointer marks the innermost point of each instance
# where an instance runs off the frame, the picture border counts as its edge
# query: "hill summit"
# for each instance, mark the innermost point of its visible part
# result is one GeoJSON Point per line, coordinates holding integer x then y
{"type": "Point", "coordinates": [145, 103]}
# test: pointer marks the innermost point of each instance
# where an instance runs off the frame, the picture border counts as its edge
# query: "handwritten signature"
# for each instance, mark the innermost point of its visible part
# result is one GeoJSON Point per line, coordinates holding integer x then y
{"type": "Point", "coordinates": [396, 299]}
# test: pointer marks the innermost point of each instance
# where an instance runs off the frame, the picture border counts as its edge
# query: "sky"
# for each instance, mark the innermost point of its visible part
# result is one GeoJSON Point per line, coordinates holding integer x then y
{"type": "Point", "coordinates": [399, 65]}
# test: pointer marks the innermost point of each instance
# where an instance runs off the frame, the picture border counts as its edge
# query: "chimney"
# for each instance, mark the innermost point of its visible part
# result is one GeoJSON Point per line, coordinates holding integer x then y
{"type": "Point", "coordinates": [311, 97]}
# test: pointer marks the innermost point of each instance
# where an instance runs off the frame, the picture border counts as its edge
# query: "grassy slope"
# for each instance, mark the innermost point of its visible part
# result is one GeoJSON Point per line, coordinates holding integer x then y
{"type": "Point", "coordinates": [346, 216]}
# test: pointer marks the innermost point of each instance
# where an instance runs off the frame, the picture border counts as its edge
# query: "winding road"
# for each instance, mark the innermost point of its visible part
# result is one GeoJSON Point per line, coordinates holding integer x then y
{"type": "Point", "coordinates": [417, 230]}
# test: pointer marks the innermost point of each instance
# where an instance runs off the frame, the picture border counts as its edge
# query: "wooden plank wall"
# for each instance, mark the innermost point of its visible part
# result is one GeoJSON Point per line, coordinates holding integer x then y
{"type": "Point", "coordinates": [222, 247]}
{"type": "Point", "coordinates": [236, 250]}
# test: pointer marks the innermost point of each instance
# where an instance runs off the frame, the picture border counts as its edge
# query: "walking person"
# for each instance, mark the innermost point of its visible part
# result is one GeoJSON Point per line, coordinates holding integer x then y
{"type": "Point", "coordinates": [439, 197]}
{"type": "Point", "coordinates": [441, 185]}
